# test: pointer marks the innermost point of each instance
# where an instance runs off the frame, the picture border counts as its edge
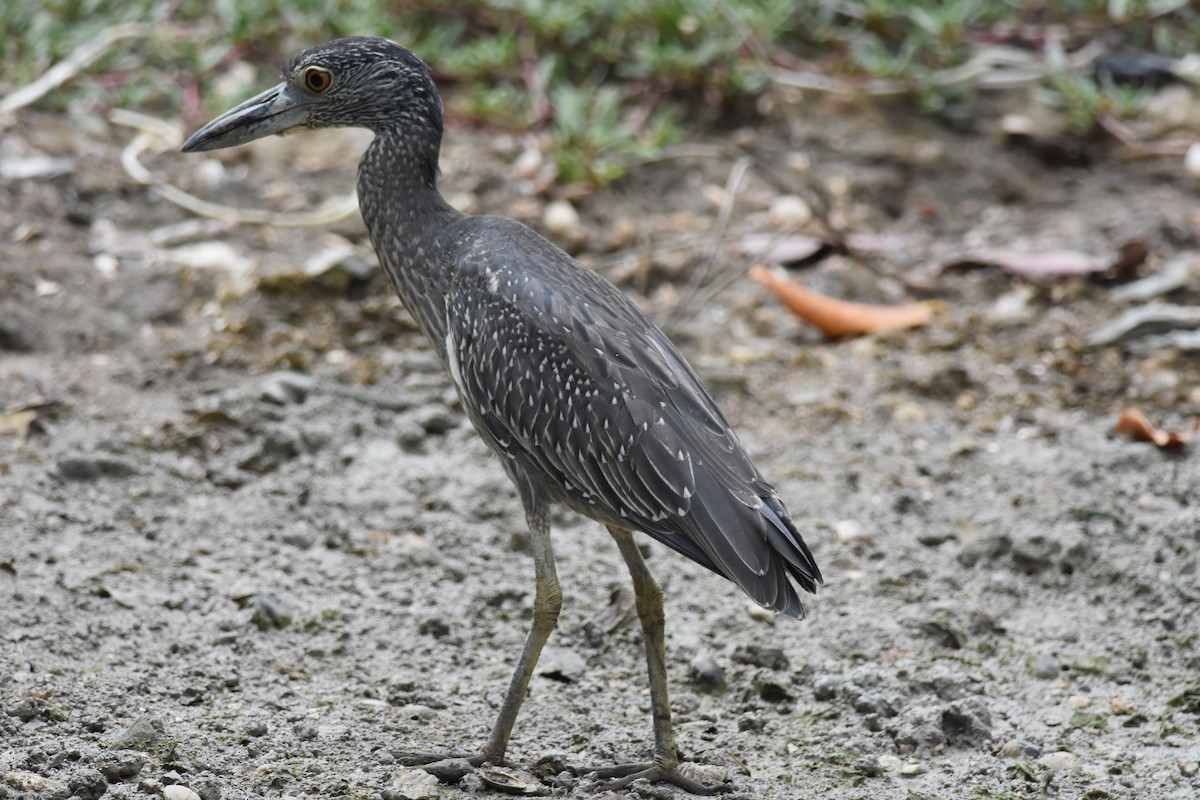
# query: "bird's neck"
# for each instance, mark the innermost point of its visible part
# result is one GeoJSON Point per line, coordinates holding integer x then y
{"type": "Point", "coordinates": [408, 220]}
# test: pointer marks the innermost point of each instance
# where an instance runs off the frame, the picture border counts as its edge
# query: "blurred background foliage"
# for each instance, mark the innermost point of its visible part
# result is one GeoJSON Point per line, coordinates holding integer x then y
{"type": "Point", "coordinates": [608, 82]}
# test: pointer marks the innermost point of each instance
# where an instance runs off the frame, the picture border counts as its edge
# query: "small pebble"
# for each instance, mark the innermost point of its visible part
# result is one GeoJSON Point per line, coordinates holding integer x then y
{"type": "Point", "coordinates": [1121, 705]}
{"type": "Point", "coordinates": [707, 674]}
{"type": "Point", "coordinates": [86, 784]}
{"type": "Point", "coordinates": [24, 709]}
{"type": "Point", "coordinates": [177, 792]}
{"type": "Point", "coordinates": [285, 388]}
{"type": "Point", "coordinates": [911, 770]}
{"type": "Point", "coordinates": [414, 784]}
{"type": "Point", "coordinates": [1191, 160]}
{"type": "Point", "coordinates": [847, 530]}
{"type": "Point", "coordinates": [788, 211]}
{"type": "Point", "coordinates": [1044, 667]}
{"type": "Point", "coordinates": [528, 163]}
{"type": "Point", "coordinates": [1079, 701]}
{"type": "Point", "coordinates": [1015, 748]}
{"type": "Point", "coordinates": [707, 774]}
{"type": "Point", "coordinates": [31, 782]}
{"type": "Point", "coordinates": [1060, 760]}
{"type": "Point", "coordinates": [826, 687]}
{"type": "Point", "coordinates": [270, 612]}
{"type": "Point", "coordinates": [436, 627]}
{"type": "Point", "coordinates": [890, 763]}
{"type": "Point", "coordinates": [121, 765]}
{"type": "Point", "coordinates": [560, 664]}
{"type": "Point", "coordinates": [142, 735]}
{"type": "Point", "coordinates": [760, 614]}
{"type": "Point", "coordinates": [415, 711]}
{"type": "Point", "coordinates": [450, 770]}
{"type": "Point", "coordinates": [753, 721]}
{"type": "Point", "coordinates": [761, 656]}
{"type": "Point", "coordinates": [561, 219]}
{"type": "Point", "coordinates": [770, 689]}
{"type": "Point", "coordinates": [90, 468]}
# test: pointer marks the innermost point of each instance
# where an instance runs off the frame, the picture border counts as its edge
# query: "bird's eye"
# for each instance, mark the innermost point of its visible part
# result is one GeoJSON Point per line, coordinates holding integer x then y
{"type": "Point", "coordinates": [317, 79]}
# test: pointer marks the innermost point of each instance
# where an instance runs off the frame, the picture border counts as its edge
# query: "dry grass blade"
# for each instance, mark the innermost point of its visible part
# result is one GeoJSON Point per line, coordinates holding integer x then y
{"type": "Point", "coordinates": [840, 318]}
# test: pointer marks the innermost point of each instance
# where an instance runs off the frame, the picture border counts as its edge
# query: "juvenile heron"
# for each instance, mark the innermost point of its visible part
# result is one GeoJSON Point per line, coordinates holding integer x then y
{"type": "Point", "coordinates": [583, 399]}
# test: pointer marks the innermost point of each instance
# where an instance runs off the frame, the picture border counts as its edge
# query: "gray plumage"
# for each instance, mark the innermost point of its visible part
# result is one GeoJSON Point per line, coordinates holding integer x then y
{"type": "Point", "coordinates": [568, 381]}
{"type": "Point", "coordinates": [586, 402]}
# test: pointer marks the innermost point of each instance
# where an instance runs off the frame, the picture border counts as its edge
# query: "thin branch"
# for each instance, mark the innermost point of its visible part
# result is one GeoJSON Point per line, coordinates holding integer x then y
{"type": "Point", "coordinates": [158, 136]}
{"type": "Point", "coordinates": [990, 67]}
{"type": "Point", "coordinates": [83, 57]}
{"type": "Point", "coordinates": [733, 185]}
{"type": "Point", "coordinates": [1139, 148]}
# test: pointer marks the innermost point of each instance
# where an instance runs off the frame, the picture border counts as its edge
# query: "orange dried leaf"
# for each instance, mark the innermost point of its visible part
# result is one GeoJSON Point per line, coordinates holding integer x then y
{"type": "Point", "coordinates": [838, 318]}
{"type": "Point", "coordinates": [1134, 425]}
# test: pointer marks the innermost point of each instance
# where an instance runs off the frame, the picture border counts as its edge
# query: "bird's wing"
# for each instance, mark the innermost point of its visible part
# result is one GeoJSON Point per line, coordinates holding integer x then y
{"type": "Point", "coordinates": [561, 369]}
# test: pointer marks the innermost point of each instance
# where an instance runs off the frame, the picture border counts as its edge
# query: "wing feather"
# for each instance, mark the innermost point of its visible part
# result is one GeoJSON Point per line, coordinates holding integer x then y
{"type": "Point", "coordinates": [560, 370]}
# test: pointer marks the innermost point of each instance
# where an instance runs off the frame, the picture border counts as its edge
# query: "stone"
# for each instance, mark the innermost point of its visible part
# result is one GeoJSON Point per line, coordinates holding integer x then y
{"type": "Point", "coordinates": [121, 765]}
{"type": "Point", "coordinates": [179, 792]}
{"type": "Point", "coordinates": [1060, 761]}
{"type": "Point", "coordinates": [761, 656]}
{"type": "Point", "coordinates": [561, 664]}
{"type": "Point", "coordinates": [1044, 667]}
{"type": "Point", "coordinates": [142, 735]}
{"type": "Point", "coordinates": [706, 674]}
{"type": "Point", "coordinates": [87, 783]}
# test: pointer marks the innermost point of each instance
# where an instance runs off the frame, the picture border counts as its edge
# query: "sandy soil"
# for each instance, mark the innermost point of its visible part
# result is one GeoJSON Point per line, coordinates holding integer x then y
{"type": "Point", "coordinates": [249, 545]}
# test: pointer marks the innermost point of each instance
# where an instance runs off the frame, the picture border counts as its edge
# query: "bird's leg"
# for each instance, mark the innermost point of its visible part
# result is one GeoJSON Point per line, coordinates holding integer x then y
{"type": "Point", "coordinates": [546, 604]}
{"type": "Point", "coordinates": [649, 599]}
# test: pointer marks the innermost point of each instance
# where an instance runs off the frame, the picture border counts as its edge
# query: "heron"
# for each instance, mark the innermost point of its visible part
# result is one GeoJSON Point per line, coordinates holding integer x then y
{"type": "Point", "coordinates": [583, 399]}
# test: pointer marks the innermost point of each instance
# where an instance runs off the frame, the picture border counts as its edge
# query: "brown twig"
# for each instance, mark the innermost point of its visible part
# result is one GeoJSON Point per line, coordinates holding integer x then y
{"type": "Point", "coordinates": [1138, 148]}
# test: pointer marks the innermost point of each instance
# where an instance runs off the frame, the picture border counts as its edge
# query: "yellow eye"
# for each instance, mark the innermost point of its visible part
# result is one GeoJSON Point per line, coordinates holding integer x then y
{"type": "Point", "coordinates": [317, 79]}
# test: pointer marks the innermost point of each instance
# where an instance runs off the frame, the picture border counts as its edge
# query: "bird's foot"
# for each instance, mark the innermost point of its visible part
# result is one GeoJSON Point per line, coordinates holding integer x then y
{"type": "Point", "coordinates": [701, 779]}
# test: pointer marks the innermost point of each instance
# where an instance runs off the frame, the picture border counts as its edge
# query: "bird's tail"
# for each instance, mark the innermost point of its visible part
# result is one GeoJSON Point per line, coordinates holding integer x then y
{"type": "Point", "coordinates": [786, 541]}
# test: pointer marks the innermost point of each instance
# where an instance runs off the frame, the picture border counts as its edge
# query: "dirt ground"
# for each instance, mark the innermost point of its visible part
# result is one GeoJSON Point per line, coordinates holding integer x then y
{"type": "Point", "coordinates": [250, 546]}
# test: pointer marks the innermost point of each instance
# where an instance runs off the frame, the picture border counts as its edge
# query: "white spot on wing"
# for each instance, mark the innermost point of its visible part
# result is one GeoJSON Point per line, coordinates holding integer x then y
{"type": "Point", "coordinates": [452, 362]}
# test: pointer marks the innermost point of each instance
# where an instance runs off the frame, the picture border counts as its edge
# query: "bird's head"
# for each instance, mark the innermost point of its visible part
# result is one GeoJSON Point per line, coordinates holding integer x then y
{"type": "Point", "coordinates": [359, 82]}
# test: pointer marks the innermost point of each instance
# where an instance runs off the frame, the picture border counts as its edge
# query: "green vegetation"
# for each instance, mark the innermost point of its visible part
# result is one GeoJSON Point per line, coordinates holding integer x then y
{"type": "Point", "coordinates": [608, 82]}
{"type": "Point", "coordinates": [1187, 700]}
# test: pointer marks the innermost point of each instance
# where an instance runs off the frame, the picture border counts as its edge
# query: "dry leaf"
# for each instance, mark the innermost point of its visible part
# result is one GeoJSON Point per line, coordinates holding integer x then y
{"type": "Point", "coordinates": [17, 422]}
{"type": "Point", "coordinates": [793, 249]}
{"type": "Point", "coordinates": [838, 318]}
{"type": "Point", "coordinates": [801, 248]}
{"type": "Point", "coordinates": [880, 242]}
{"type": "Point", "coordinates": [1053, 264]}
{"type": "Point", "coordinates": [1134, 425]}
{"type": "Point", "coordinates": [1060, 263]}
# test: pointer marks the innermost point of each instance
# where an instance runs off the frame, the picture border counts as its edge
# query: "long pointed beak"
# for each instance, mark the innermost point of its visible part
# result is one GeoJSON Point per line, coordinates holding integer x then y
{"type": "Point", "coordinates": [277, 110]}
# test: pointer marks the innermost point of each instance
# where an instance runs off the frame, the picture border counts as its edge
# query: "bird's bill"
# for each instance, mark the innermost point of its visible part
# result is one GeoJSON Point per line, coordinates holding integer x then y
{"type": "Point", "coordinates": [277, 110]}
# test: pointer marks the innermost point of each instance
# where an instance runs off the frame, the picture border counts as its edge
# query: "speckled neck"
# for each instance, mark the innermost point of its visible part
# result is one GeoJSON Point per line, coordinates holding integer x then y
{"type": "Point", "coordinates": [408, 220]}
